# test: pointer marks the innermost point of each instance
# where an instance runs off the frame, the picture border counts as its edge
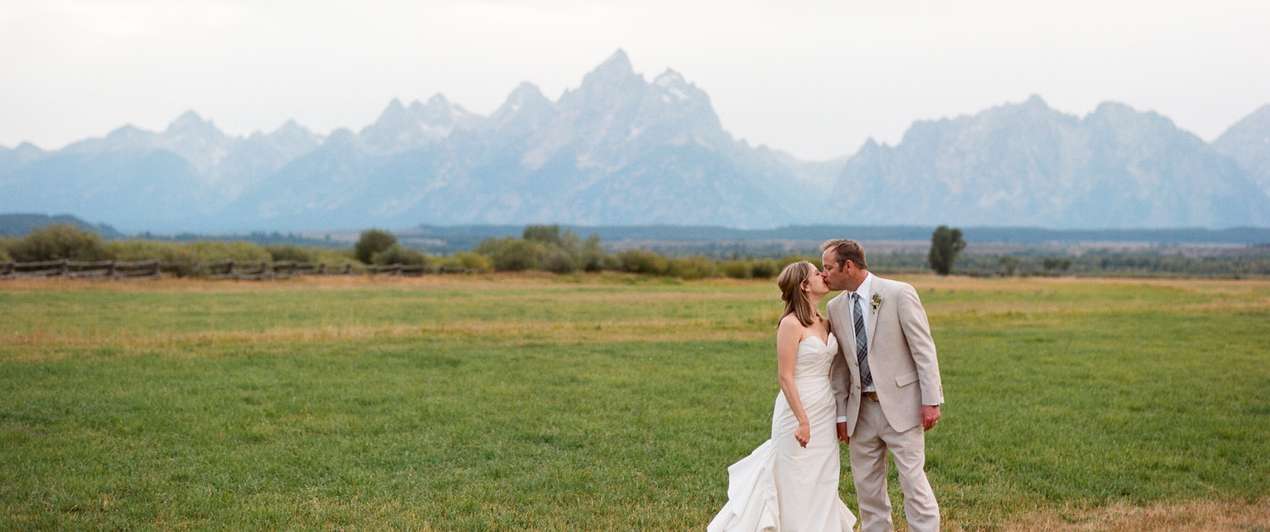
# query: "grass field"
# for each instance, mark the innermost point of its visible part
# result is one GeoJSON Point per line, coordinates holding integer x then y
{"type": "Point", "coordinates": [601, 402]}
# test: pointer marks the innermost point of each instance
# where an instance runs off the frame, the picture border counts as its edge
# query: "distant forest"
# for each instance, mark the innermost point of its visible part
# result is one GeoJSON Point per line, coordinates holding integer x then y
{"type": "Point", "coordinates": [1230, 253]}
{"type": "Point", "coordinates": [723, 240]}
{"type": "Point", "coordinates": [692, 239]}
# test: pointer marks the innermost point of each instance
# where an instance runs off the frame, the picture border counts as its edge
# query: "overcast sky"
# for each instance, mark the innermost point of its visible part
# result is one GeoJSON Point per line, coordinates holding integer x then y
{"type": "Point", "coordinates": [812, 78]}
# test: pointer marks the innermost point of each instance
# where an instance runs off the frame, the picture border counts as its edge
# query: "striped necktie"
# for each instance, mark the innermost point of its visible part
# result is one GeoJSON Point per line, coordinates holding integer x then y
{"type": "Point", "coordinates": [861, 343]}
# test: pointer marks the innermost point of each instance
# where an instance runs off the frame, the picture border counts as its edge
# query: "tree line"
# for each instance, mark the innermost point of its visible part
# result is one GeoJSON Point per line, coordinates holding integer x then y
{"type": "Point", "coordinates": [551, 248]}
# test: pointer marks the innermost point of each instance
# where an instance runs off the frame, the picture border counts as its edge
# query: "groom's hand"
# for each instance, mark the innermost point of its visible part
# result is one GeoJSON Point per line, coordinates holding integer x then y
{"type": "Point", "coordinates": [842, 432]}
{"type": "Point", "coordinates": [930, 416]}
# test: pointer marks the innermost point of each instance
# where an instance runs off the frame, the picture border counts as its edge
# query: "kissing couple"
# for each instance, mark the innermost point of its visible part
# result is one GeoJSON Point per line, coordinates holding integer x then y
{"type": "Point", "coordinates": [867, 376]}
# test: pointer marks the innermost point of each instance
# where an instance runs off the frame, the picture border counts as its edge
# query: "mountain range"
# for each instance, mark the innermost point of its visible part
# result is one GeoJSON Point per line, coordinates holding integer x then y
{"type": "Point", "coordinates": [622, 150]}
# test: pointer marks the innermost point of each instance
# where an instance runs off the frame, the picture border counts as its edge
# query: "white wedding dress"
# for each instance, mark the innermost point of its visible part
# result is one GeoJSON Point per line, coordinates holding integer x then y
{"type": "Point", "coordinates": [783, 486]}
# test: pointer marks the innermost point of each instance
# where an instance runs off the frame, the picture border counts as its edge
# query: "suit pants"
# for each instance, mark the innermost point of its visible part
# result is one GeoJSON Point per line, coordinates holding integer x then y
{"type": "Point", "coordinates": [872, 437]}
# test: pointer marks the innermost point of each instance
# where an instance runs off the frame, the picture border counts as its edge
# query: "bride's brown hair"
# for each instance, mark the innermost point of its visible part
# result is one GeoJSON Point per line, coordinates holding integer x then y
{"type": "Point", "coordinates": [791, 282]}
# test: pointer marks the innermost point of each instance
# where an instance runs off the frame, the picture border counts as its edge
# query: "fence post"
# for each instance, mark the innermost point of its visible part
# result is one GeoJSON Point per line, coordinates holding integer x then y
{"type": "Point", "coordinates": [110, 269]}
{"type": "Point", "coordinates": [64, 268]}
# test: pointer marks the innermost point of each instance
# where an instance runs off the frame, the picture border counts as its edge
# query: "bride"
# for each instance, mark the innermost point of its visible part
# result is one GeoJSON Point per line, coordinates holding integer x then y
{"type": "Point", "coordinates": [790, 482]}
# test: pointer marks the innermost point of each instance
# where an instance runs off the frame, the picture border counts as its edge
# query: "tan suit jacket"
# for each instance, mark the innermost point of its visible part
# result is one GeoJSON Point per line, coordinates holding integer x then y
{"type": "Point", "coordinates": [901, 356]}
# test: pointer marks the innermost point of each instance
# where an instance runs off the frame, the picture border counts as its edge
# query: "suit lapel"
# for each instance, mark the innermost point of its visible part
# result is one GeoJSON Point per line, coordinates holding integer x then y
{"type": "Point", "coordinates": [846, 342]}
{"type": "Point", "coordinates": [873, 315]}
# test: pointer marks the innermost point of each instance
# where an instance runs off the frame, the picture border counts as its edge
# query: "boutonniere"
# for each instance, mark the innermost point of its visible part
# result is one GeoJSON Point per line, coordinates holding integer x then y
{"type": "Point", "coordinates": [877, 302]}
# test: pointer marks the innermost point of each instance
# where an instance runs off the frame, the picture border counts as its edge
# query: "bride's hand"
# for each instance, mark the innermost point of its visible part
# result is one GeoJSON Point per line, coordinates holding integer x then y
{"type": "Point", "coordinates": [803, 434]}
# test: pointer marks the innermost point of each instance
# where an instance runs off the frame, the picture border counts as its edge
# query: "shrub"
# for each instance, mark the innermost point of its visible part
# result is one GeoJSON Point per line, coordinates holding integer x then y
{"type": "Point", "coordinates": [542, 233]}
{"type": "Point", "coordinates": [465, 262]}
{"type": "Point", "coordinates": [4, 249]}
{"type": "Point", "coordinates": [691, 268]}
{"type": "Point", "coordinates": [1055, 264]}
{"type": "Point", "coordinates": [763, 269]}
{"type": "Point", "coordinates": [335, 259]}
{"type": "Point", "coordinates": [1009, 265]}
{"type": "Point", "coordinates": [513, 254]}
{"type": "Point", "coordinates": [216, 251]}
{"type": "Point", "coordinates": [398, 254]}
{"type": "Point", "coordinates": [56, 242]}
{"type": "Point", "coordinates": [474, 262]}
{"type": "Point", "coordinates": [592, 257]}
{"type": "Point", "coordinates": [176, 259]}
{"type": "Point", "coordinates": [558, 260]}
{"type": "Point", "coordinates": [737, 269]}
{"type": "Point", "coordinates": [610, 263]}
{"type": "Point", "coordinates": [642, 261]}
{"type": "Point", "coordinates": [290, 253]}
{"type": "Point", "coordinates": [372, 241]}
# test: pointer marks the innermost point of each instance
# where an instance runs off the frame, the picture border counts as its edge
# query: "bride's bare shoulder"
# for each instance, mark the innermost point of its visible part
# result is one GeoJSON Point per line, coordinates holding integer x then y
{"type": "Point", "coordinates": [791, 326]}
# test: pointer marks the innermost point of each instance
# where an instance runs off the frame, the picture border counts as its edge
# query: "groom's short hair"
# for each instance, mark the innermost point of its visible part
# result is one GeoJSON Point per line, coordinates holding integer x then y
{"type": "Point", "coordinates": [846, 250]}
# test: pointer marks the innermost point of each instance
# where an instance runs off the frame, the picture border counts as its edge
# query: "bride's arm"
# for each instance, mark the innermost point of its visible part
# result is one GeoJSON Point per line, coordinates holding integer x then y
{"type": "Point", "coordinates": [788, 335]}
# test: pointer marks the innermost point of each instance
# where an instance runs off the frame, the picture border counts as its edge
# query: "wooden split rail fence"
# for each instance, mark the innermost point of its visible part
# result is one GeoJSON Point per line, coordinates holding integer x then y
{"type": "Point", "coordinates": [255, 271]}
{"type": "Point", "coordinates": [108, 269]}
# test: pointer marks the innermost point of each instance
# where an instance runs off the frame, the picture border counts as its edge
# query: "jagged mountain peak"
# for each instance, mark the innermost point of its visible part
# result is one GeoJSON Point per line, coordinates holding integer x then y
{"type": "Point", "coordinates": [190, 127]}
{"type": "Point", "coordinates": [438, 100]}
{"type": "Point", "coordinates": [395, 111]}
{"type": "Point", "coordinates": [669, 78]}
{"type": "Point", "coordinates": [614, 72]}
{"type": "Point", "coordinates": [1034, 107]}
{"type": "Point", "coordinates": [293, 133]}
{"type": "Point", "coordinates": [1132, 123]}
{"type": "Point", "coordinates": [526, 91]}
{"type": "Point", "coordinates": [1035, 100]}
{"type": "Point", "coordinates": [1121, 113]}
{"type": "Point", "coordinates": [617, 62]}
{"type": "Point", "coordinates": [291, 127]}
{"type": "Point", "coordinates": [127, 134]}
{"type": "Point", "coordinates": [192, 135]}
{"type": "Point", "coordinates": [1114, 108]}
{"type": "Point", "coordinates": [439, 110]}
{"type": "Point", "coordinates": [525, 98]}
{"type": "Point", "coordinates": [341, 136]}
{"type": "Point", "coordinates": [676, 90]}
{"type": "Point", "coordinates": [28, 147]}
{"type": "Point", "coordinates": [399, 127]}
{"type": "Point", "coordinates": [188, 119]}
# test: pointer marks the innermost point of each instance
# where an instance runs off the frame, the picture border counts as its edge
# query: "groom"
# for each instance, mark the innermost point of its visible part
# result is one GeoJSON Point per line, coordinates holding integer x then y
{"type": "Point", "coordinates": [886, 383]}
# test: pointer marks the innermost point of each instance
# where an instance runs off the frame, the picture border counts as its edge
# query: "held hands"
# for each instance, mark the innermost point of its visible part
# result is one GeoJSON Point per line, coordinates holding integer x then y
{"type": "Point", "coordinates": [803, 434]}
{"type": "Point", "coordinates": [930, 416]}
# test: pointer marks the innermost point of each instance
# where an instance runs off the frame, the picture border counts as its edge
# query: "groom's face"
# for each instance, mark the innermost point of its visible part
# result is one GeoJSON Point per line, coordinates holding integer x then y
{"type": "Point", "coordinates": [835, 276]}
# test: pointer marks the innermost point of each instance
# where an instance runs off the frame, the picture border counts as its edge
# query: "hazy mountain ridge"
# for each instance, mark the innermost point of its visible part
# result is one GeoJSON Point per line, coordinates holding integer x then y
{"type": "Point", "coordinates": [619, 149]}
{"type": "Point", "coordinates": [1248, 143]}
{"type": "Point", "coordinates": [1027, 164]}
{"type": "Point", "coordinates": [21, 224]}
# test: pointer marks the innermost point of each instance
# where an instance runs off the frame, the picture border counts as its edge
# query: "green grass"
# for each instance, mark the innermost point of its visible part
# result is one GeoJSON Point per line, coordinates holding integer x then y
{"type": "Point", "coordinates": [588, 402]}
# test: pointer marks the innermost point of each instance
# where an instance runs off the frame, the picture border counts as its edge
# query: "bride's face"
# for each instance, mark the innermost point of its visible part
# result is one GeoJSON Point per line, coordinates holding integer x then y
{"type": "Point", "coordinates": [816, 282]}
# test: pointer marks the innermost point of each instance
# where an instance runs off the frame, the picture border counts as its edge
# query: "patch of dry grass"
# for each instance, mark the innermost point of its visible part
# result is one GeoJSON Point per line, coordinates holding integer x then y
{"type": "Point", "coordinates": [1173, 516]}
